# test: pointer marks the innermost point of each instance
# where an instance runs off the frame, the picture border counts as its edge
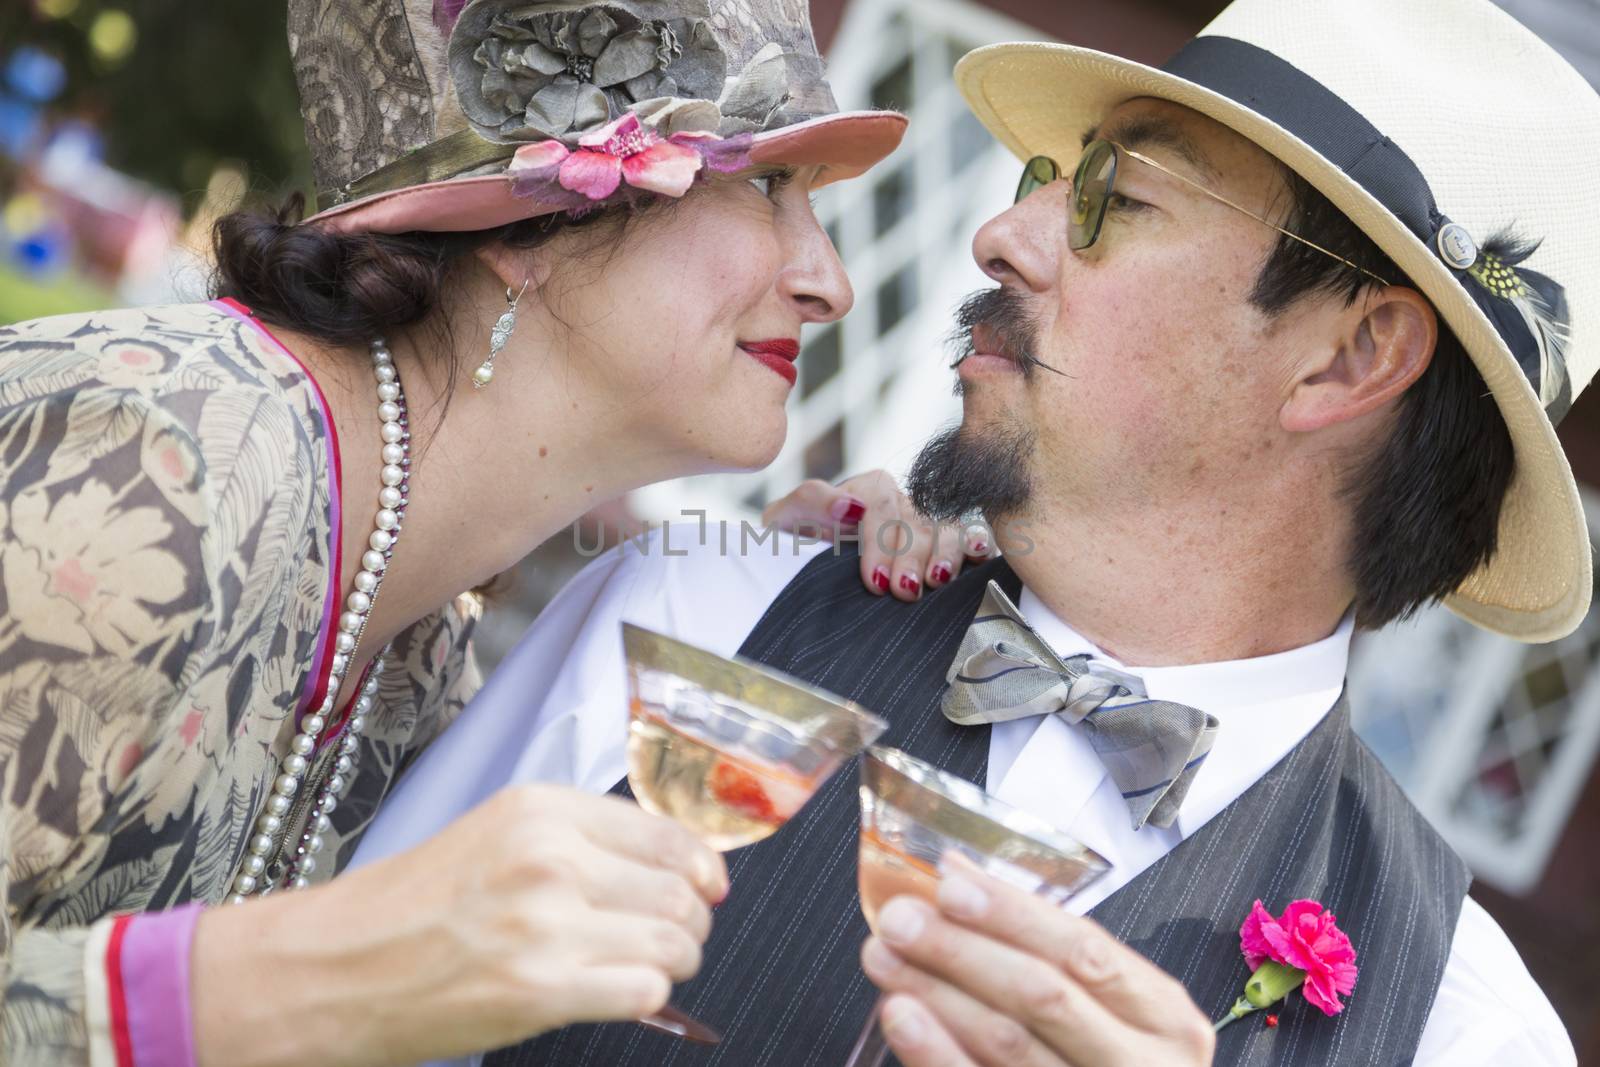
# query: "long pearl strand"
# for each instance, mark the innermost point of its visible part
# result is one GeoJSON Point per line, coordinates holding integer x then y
{"type": "Point", "coordinates": [292, 867]}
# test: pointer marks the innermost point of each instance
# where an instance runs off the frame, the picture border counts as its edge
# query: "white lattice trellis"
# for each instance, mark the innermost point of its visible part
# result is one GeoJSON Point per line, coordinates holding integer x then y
{"type": "Point", "coordinates": [1492, 739]}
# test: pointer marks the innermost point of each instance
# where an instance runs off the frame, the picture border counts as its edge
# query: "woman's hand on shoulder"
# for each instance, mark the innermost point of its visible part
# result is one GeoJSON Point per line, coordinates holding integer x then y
{"type": "Point", "coordinates": [902, 553]}
{"type": "Point", "coordinates": [544, 906]}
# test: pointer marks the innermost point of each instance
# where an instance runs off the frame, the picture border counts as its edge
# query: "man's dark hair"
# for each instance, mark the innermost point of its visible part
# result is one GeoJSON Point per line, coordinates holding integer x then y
{"type": "Point", "coordinates": [1426, 500]}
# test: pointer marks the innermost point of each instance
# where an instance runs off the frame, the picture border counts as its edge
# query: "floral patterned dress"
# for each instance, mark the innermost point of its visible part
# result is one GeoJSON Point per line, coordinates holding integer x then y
{"type": "Point", "coordinates": [168, 533]}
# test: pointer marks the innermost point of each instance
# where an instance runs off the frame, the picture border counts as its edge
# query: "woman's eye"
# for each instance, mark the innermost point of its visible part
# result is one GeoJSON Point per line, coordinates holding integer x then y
{"type": "Point", "coordinates": [769, 184]}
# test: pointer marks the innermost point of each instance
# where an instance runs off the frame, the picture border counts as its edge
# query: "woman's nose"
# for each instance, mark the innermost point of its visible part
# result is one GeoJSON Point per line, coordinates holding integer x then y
{"type": "Point", "coordinates": [815, 279]}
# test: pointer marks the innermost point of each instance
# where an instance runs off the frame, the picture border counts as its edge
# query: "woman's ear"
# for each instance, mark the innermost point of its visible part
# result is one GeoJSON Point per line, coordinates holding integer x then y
{"type": "Point", "coordinates": [515, 267]}
{"type": "Point", "coordinates": [1372, 355]}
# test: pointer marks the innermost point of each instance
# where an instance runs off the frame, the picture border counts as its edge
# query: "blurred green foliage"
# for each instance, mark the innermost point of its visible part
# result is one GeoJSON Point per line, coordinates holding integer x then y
{"type": "Point", "coordinates": [207, 82]}
{"type": "Point", "coordinates": [23, 297]}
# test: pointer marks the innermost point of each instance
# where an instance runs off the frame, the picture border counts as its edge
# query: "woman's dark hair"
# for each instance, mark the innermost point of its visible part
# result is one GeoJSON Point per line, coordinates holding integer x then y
{"type": "Point", "coordinates": [1425, 500]}
{"type": "Point", "coordinates": [346, 289]}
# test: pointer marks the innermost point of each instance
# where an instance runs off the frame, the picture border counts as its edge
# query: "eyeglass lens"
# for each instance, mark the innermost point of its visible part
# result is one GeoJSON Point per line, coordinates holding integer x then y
{"type": "Point", "coordinates": [1036, 174]}
{"type": "Point", "coordinates": [1091, 189]}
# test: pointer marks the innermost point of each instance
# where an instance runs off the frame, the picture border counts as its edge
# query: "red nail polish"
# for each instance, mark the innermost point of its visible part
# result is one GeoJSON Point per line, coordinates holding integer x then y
{"type": "Point", "coordinates": [941, 573]}
{"type": "Point", "coordinates": [880, 578]}
{"type": "Point", "coordinates": [911, 583]}
{"type": "Point", "coordinates": [979, 548]}
{"type": "Point", "coordinates": [853, 513]}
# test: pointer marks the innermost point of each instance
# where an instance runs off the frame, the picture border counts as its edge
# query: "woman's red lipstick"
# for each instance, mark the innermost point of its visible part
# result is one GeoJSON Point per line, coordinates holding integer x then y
{"type": "Point", "coordinates": [779, 354]}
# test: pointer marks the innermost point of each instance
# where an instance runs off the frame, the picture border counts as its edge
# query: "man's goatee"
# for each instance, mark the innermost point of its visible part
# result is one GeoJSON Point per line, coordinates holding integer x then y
{"type": "Point", "coordinates": [960, 471]}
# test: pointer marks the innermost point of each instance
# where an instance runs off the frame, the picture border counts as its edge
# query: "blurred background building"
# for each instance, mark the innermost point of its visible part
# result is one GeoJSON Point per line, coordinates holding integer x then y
{"type": "Point", "coordinates": [127, 126]}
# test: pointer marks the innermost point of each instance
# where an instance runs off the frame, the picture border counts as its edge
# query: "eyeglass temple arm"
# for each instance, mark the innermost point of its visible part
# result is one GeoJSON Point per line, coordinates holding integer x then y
{"type": "Point", "coordinates": [1246, 211]}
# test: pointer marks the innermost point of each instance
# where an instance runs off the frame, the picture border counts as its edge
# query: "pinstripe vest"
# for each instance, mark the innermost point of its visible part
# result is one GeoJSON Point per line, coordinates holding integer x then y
{"type": "Point", "coordinates": [781, 977]}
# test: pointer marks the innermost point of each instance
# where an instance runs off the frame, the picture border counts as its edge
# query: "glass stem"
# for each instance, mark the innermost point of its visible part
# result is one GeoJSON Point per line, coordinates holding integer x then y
{"type": "Point", "coordinates": [670, 1020]}
{"type": "Point", "coordinates": [872, 1048]}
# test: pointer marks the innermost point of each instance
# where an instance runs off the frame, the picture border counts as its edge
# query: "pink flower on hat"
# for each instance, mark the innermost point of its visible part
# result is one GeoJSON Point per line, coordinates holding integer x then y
{"type": "Point", "coordinates": [624, 151]}
{"type": "Point", "coordinates": [1306, 938]}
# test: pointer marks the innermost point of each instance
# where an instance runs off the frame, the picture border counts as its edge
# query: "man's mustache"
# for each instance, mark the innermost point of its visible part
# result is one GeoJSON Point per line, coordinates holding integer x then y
{"type": "Point", "coordinates": [997, 320]}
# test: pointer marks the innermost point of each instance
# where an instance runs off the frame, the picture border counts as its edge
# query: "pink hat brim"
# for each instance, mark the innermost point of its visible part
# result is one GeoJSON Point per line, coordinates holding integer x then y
{"type": "Point", "coordinates": [845, 145]}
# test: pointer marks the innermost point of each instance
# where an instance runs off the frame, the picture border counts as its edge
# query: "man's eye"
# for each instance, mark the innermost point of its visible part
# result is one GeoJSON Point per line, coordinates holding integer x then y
{"type": "Point", "coordinates": [1118, 202]}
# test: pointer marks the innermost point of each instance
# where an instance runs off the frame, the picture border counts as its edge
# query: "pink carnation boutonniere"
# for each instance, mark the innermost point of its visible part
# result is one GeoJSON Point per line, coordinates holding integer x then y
{"type": "Point", "coordinates": [1301, 948]}
{"type": "Point", "coordinates": [624, 151]}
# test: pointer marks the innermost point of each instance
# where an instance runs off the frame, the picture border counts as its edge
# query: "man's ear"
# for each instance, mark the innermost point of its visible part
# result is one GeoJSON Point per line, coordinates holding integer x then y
{"type": "Point", "coordinates": [1371, 357]}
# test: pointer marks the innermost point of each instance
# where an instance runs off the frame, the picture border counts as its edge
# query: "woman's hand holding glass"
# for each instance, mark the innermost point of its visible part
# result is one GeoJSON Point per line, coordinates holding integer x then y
{"type": "Point", "coordinates": [542, 907]}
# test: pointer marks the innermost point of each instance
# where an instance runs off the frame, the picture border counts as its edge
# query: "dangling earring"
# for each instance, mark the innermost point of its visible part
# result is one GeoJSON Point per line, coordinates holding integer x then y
{"type": "Point", "coordinates": [498, 336]}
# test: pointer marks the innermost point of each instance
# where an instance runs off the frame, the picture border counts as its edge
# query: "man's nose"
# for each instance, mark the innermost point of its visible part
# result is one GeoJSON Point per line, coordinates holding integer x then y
{"type": "Point", "coordinates": [1021, 245]}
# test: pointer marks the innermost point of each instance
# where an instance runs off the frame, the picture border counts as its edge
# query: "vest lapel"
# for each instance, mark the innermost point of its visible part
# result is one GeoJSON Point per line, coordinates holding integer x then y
{"type": "Point", "coordinates": [1326, 823]}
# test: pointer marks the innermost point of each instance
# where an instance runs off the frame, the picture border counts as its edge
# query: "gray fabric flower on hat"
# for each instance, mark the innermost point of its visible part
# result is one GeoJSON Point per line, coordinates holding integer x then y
{"type": "Point", "coordinates": [532, 71]}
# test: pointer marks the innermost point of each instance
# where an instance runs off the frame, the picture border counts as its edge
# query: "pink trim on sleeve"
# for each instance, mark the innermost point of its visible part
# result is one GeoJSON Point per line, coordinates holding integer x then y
{"type": "Point", "coordinates": [117, 1003]}
{"type": "Point", "coordinates": [155, 987]}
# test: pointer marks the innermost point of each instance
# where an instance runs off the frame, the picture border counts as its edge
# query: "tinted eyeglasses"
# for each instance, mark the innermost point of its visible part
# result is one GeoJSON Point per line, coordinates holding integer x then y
{"type": "Point", "coordinates": [1094, 183]}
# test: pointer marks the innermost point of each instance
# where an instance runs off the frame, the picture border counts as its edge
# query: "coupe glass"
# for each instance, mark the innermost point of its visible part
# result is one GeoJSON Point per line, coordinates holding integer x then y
{"type": "Point", "coordinates": [730, 749]}
{"type": "Point", "coordinates": [913, 814]}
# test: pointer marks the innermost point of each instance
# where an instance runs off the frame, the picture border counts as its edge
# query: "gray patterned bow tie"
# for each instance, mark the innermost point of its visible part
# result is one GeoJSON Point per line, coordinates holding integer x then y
{"type": "Point", "coordinates": [1151, 748]}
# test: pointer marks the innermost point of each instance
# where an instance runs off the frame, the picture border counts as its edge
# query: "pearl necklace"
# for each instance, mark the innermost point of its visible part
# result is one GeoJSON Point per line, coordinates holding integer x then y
{"type": "Point", "coordinates": [269, 863]}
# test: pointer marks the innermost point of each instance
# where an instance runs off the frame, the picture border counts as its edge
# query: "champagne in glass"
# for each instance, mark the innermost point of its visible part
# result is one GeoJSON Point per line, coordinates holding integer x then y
{"type": "Point", "coordinates": [886, 872]}
{"type": "Point", "coordinates": [730, 797]}
{"type": "Point", "coordinates": [913, 814]}
{"type": "Point", "coordinates": [728, 748]}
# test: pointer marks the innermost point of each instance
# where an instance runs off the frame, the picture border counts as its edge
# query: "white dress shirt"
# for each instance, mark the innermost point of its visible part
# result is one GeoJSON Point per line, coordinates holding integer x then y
{"type": "Point", "coordinates": [554, 711]}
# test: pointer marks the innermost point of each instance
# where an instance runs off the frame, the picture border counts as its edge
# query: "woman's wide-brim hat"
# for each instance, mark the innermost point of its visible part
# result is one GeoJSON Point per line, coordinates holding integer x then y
{"type": "Point", "coordinates": [460, 115]}
{"type": "Point", "coordinates": [1434, 125]}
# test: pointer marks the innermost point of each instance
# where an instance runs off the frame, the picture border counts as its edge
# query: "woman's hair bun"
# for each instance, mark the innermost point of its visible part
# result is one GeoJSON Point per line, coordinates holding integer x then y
{"type": "Point", "coordinates": [343, 289]}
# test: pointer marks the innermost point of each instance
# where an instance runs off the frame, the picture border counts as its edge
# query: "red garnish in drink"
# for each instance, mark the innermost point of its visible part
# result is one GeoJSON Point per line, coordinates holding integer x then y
{"type": "Point", "coordinates": [734, 787]}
